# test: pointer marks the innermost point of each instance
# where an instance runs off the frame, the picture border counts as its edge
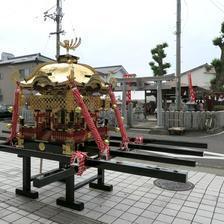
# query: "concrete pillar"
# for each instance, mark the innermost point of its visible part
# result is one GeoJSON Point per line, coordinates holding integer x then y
{"type": "Point", "coordinates": [187, 120]}
{"type": "Point", "coordinates": [202, 120]}
{"type": "Point", "coordinates": [145, 104]}
{"type": "Point", "coordinates": [220, 118]}
{"type": "Point", "coordinates": [195, 120]}
{"type": "Point", "coordinates": [166, 120]}
{"type": "Point", "coordinates": [123, 106]}
{"type": "Point", "coordinates": [176, 118]}
{"type": "Point", "coordinates": [181, 119]}
{"type": "Point", "coordinates": [171, 119]}
{"type": "Point", "coordinates": [130, 115]}
{"type": "Point", "coordinates": [159, 104]}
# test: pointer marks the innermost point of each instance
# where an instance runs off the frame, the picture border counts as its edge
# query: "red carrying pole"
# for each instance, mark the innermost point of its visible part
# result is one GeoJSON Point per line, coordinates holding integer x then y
{"type": "Point", "coordinates": [15, 113]}
{"type": "Point", "coordinates": [102, 146]}
{"type": "Point", "coordinates": [124, 136]}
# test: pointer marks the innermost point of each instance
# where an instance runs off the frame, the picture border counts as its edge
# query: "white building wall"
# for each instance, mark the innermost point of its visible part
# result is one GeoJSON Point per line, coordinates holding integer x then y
{"type": "Point", "coordinates": [8, 81]}
{"type": "Point", "coordinates": [200, 77]}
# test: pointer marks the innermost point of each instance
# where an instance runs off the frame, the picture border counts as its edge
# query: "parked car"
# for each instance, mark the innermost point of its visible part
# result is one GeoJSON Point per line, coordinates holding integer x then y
{"type": "Point", "coordinates": [5, 111]}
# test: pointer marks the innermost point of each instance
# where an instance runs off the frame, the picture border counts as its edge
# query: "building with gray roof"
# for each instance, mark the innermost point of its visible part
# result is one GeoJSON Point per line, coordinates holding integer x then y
{"type": "Point", "coordinates": [16, 68]}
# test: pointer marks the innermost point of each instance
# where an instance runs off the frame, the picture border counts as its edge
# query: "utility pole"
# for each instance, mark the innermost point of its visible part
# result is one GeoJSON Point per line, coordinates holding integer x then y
{"type": "Point", "coordinates": [57, 17]}
{"type": "Point", "coordinates": [58, 27]}
{"type": "Point", "coordinates": [178, 56]}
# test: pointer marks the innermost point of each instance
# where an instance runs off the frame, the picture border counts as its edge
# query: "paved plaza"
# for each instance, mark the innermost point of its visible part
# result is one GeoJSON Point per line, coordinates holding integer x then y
{"type": "Point", "coordinates": [134, 199]}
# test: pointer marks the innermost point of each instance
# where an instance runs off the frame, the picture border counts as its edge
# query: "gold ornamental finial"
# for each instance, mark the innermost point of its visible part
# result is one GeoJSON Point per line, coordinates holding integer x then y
{"type": "Point", "coordinates": [71, 44]}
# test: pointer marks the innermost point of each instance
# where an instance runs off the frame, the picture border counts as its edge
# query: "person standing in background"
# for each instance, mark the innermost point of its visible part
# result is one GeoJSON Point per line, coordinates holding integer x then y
{"type": "Point", "coordinates": [201, 105]}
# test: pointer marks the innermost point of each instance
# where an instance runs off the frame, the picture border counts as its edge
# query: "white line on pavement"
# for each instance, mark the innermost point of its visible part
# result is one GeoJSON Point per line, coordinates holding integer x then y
{"type": "Point", "coordinates": [206, 136]}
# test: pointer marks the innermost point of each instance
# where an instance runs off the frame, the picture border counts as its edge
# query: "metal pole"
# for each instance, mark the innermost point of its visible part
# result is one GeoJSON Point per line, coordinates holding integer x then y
{"type": "Point", "coordinates": [178, 56]}
{"type": "Point", "coordinates": [41, 165]}
{"type": "Point", "coordinates": [57, 17]}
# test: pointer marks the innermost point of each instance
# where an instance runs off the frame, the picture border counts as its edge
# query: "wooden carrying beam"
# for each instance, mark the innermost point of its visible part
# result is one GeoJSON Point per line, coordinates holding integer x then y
{"type": "Point", "coordinates": [139, 169]}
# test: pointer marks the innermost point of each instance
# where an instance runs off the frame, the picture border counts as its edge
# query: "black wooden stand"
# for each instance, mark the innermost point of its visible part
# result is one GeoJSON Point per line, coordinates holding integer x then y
{"type": "Point", "coordinates": [69, 200]}
{"type": "Point", "coordinates": [67, 173]}
{"type": "Point", "coordinates": [100, 182]}
{"type": "Point", "coordinates": [26, 189]}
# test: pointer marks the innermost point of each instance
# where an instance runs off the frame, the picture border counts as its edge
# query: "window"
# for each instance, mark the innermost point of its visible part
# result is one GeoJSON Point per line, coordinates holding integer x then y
{"type": "Point", "coordinates": [1, 76]}
{"type": "Point", "coordinates": [24, 73]}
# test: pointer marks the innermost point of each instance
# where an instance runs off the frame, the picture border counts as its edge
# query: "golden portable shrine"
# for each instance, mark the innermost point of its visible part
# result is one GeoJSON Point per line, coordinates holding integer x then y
{"type": "Point", "coordinates": [64, 114]}
{"type": "Point", "coordinates": [65, 99]}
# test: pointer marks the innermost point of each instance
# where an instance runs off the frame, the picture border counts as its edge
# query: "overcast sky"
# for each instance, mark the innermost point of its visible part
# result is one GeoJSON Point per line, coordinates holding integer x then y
{"type": "Point", "coordinates": [115, 31]}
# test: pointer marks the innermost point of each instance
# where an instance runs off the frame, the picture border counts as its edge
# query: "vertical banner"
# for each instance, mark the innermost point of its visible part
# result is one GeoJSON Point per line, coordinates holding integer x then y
{"type": "Point", "coordinates": [128, 92]}
{"type": "Point", "coordinates": [191, 90]}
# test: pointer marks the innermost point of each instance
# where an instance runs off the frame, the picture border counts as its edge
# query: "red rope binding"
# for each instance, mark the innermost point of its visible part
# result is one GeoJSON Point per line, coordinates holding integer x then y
{"type": "Point", "coordinates": [79, 158]}
{"type": "Point", "coordinates": [15, 113]}
{"type": "Point", "coordinates": [138, 139]}
{"type": "Point", "coordinates": [124, 136]}
{"type": "Point", "coordinates": [102, 146]}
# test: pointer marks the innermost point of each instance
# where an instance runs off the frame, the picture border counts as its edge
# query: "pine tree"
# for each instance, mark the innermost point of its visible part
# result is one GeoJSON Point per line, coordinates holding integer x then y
{"type": "Point", "coordinates": [217, 84]}
{"type": "Point", "coordinates": [159, 67]}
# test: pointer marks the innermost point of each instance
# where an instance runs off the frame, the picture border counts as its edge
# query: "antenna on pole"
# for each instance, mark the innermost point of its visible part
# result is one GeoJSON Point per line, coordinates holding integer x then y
{"type": "Point", "coordinates": [57, 17]}
{"type": "Point", "coordinates": [178, 56]}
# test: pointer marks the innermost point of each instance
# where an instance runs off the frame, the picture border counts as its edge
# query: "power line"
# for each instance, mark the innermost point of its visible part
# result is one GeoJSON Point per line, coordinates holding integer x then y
{"type": "Point", "coordinates": [217, 6]}
{"type": "Point", "coordinates": [186, 16]}
{"type": "Point", "coordinates": [221, 4]}
{"type": "Point", "coordinates": [47, 11]}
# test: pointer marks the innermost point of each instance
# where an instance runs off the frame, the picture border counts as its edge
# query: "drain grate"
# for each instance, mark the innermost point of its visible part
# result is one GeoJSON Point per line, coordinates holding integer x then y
{"type": "Point", "coordinates": [173, 186]}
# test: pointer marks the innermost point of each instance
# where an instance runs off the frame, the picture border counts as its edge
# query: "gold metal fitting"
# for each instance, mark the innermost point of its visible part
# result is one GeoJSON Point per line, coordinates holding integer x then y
{"type": "Point", "coordinates": [117, 129]}
{"type": "Point", "coordinates": [89, 135]}
{"type": "Point", "coordinates": [10, 109]}
{"type": "Point", "coordinates": [22, 97]}
{"type": "Point", "coordinates": [19, 135]}
{"type": "Point", "coordinates": [42, 146]}
{"type": "Point", "coordinates": [9, 126]}
{"type": "Point", "coordinates": [114, 106]}
{"type": "Point", "coordinates": [70, 61]}
{"type": "Point", "coordinates": [78, 110]}
{"type": "Point", "coordinates": [107, 141]}
{"type": "Point", "coordinates": [71, 44]}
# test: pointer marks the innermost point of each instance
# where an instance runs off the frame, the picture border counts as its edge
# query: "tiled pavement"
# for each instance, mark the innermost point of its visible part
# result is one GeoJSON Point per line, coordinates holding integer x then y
{"type": "Point", "coordinates": [134, 199]}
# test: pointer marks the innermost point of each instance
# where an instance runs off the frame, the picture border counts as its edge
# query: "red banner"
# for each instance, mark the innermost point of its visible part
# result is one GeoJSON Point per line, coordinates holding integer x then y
{"type": "Point", "coordinates": [124, 135]}
{"type": "Point", "coordinates": [128, 92]}
{"type": "Point", "coordinates": [191, 90]}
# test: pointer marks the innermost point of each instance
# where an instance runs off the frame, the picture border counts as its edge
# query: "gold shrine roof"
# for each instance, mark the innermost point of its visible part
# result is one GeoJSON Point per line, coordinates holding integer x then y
{"type": "Point", "coordinates": [56, 74]}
